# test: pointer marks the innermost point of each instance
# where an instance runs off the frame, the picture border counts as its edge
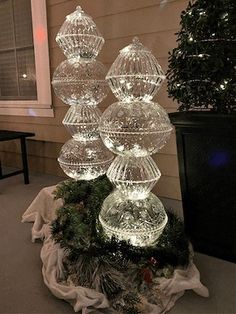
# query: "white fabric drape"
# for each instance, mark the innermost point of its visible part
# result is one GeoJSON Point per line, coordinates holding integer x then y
{"type": "Point", "coordinates": [41, 212]}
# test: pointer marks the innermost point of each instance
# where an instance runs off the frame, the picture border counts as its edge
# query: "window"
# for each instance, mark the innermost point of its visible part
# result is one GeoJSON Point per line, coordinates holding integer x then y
{"type": "Point", "coordinates": [24, 61]}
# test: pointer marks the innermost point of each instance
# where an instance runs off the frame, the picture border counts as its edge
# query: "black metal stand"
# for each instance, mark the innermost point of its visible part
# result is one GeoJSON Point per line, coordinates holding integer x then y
{"type": "Point", "coordinates": [12, 135]}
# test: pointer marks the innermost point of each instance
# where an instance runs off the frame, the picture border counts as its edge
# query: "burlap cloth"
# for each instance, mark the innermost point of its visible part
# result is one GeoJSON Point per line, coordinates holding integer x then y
{"type": "Point", "coordinates": [41, 212]}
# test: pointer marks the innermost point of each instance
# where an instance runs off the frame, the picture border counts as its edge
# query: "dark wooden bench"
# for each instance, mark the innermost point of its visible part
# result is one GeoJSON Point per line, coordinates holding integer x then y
{"type": "Point", "coordinates": [13, 135]}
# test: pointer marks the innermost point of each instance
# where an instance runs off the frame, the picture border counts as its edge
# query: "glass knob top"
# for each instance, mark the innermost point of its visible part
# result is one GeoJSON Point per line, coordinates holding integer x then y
{"type": "Point", "coordinates": [136, 45]}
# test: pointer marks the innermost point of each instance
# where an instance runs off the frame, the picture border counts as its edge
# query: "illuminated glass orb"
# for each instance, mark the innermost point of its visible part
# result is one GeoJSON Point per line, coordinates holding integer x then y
{"type": "Point", "coordinates": [136, 74]}
{"type": "Point", "coordinates": [134, 177]}
{"type": "Point", "coordinates": [84, 160]}
{"type": "Point", "coordinates": [82, 122]}
{"type": "Point", "coordinates": [139, 221]}
{"type": "Point", "coordinates": [135, 129]}
{"type": "Point", "coordinates": [80, 82]}
{"type": "Point", "coordinates": [79, 36]}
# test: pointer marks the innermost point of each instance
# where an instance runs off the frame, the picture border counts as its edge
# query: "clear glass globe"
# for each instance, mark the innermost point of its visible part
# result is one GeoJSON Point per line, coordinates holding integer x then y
{"type": "Point", "coordinates": [79, 36]}
{"type": "Point", "coordinates": [82, 122]}
{"type": "Point", "coordinates": [134, 177]}
{"type": "Point", "coordinates": [136, 74]}
{"type": "Point", "coordinates": [80, 81]}
{"type": "Point", "coordinates": [84, 160]}
{"type": "Point", "coordinates": [139, 221]}
{"type": "Point", "coordinates": [135, 129]}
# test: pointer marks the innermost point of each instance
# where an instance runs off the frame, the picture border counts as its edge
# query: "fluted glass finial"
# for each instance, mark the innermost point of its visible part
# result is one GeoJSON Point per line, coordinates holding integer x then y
{"type": "Point", "coordinates": [79, 36]}
{"type": "Point", "coordinates": [135, 74]}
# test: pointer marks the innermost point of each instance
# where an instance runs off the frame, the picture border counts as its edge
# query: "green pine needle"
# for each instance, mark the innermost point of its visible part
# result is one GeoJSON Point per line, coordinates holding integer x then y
{"type": "Point", "coordinates": [103, 264]}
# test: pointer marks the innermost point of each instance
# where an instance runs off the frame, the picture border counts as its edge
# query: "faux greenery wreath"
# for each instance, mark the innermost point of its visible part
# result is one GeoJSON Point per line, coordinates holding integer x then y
{"type": "Point", "coordinates": [116, 268]}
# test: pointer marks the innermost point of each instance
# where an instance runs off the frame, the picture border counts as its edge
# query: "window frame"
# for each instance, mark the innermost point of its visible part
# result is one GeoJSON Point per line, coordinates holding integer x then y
{"type": "Point", "coordinates": [42, 106]}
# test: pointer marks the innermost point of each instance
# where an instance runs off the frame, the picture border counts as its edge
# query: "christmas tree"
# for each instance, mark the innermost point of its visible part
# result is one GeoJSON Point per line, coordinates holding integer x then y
{"type": "Point", "coordinates": [202, 69]}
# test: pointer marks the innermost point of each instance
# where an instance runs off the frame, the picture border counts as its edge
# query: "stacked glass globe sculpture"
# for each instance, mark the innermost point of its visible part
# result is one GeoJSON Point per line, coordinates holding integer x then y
{"type": "Point", "coordinates": [79, 81]}
{"type": "Point", "coordinates": [134, 128]}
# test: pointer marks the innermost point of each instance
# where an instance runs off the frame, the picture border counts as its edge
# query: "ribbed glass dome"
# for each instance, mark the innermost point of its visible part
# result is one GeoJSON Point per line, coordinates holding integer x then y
{"type": "Point", "coordinates": [79, 36]}
{"type": "Point", "coordinates": [134, 177]}
{"type": "Point", "coordinates": [84, 160]}
{"type": "Point", "coordinates": [139, 221]}
{"type": "Point", "coordinates": [135, 129]}
{"type": "Point", "coordinates": [135, 75]}
{"type": "Point", "coordinates": [82, 122]}
{"type": "Point", "coordinates": [80, 81]}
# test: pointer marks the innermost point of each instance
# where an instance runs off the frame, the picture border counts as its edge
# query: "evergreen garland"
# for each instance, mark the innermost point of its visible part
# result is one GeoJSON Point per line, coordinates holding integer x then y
{"type": "Point", "coordinates": [107, 265]}
{"type": "Point", "coordinates": [201, 71]}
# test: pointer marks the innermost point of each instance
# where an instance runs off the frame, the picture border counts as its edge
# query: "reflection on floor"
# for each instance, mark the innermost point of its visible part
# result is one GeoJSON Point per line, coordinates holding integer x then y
{"type": "Point", "coordinates": [22, 289]}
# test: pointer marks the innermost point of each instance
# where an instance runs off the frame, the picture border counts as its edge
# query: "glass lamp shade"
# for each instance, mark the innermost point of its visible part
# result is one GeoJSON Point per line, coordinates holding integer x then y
{"type": "Point", "coordinates": [82, 122]}
{"type": "Point", "coordinates": [79, 36]}
{"type": "Point", "coordinates": [139, 221]}
{"type": "Point", "coordinates": [84, 160]}
{"type": "Point", "coordinates": [80, 81]}
{"type": "Point", "coordinates": [136, 74]}
{"type": "Point", "coordinates": [134, 177]}
{"type": "Point", "coordinates": [135, 129]}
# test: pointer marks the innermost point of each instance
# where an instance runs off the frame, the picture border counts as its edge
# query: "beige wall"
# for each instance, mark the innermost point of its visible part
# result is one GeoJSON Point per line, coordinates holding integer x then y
{"type": "Point", "coordinates": [155, 22]}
